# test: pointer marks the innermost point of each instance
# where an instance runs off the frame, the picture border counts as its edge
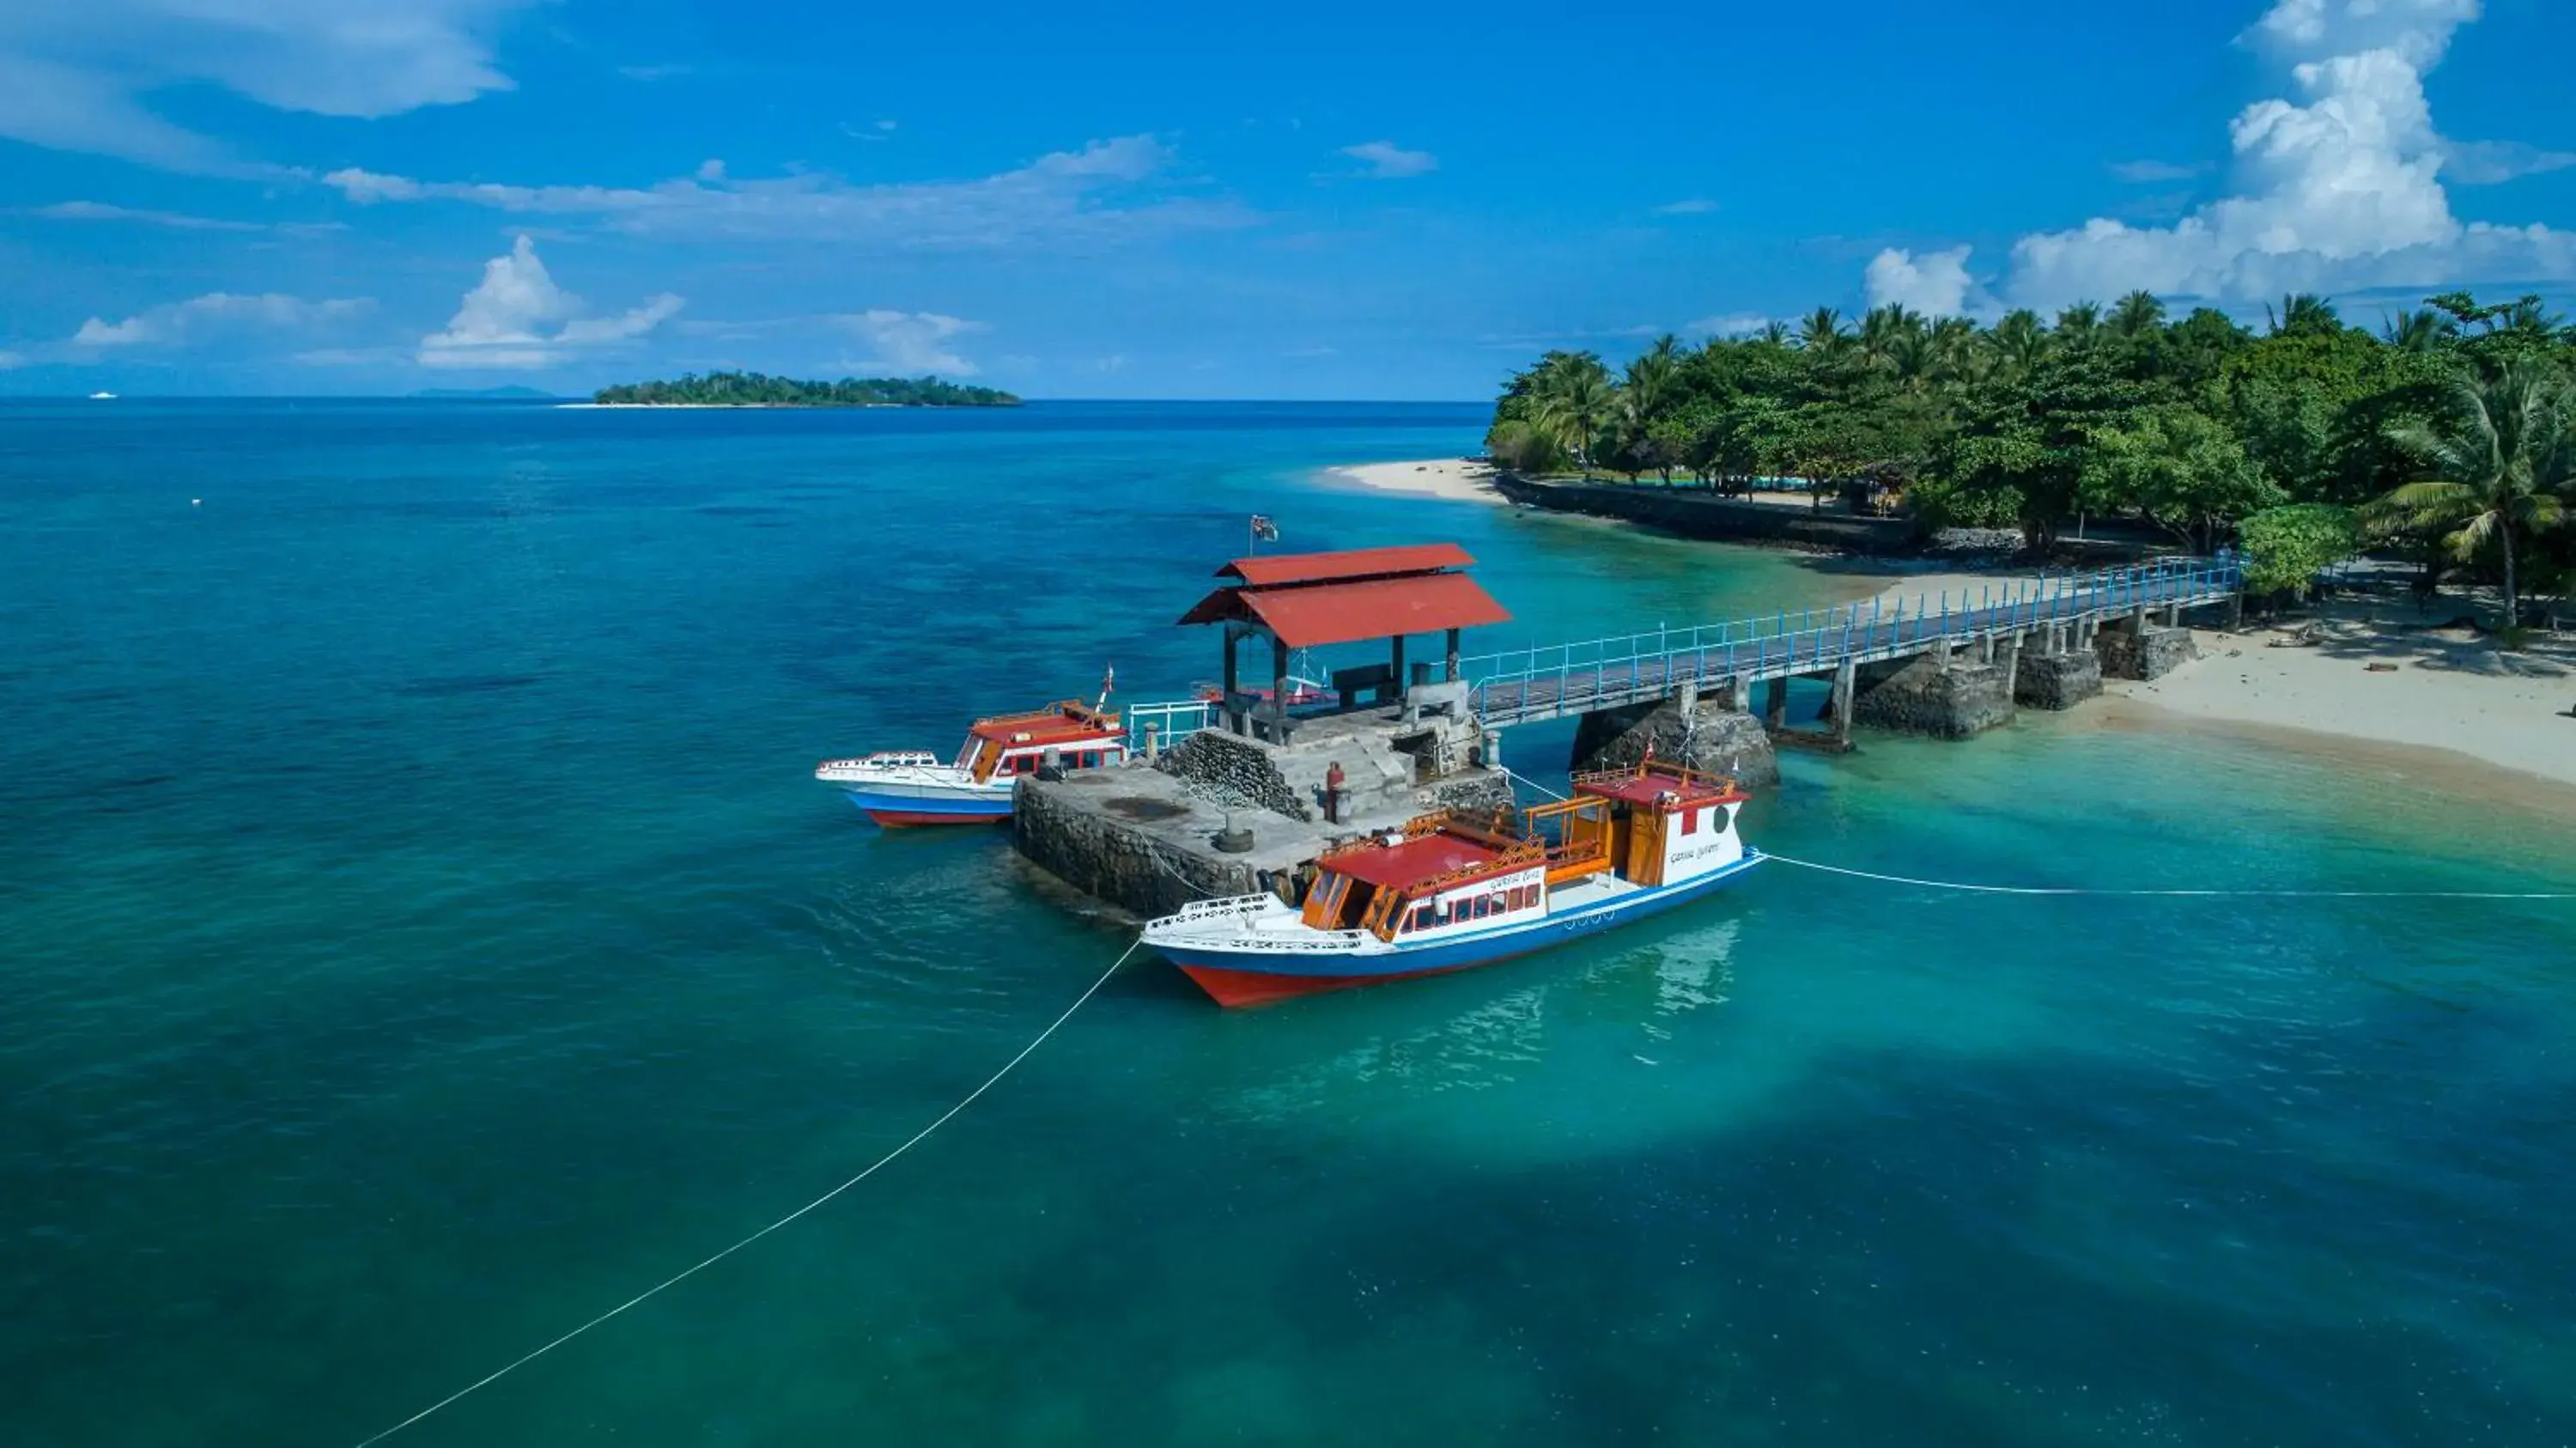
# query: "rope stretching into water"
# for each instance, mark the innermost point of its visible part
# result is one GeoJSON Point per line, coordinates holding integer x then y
{"type": "Point", "coordinates": [2241, 894]}
{"type": "Point", "coordinates": [675, 1279]}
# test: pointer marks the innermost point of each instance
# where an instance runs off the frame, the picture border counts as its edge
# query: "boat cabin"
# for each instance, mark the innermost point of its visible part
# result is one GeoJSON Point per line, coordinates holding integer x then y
{"type": "Point", "coordinates": [1009, 745]}
{"type": "Point", "coordinates": [1447, 874]}
{"type": "Point", "coordinates": [1441, 873]}
{"type": "Point", "coordinates": [1664, 823]}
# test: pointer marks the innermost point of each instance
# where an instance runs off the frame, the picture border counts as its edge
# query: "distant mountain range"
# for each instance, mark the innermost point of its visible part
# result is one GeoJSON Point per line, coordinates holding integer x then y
{"type": "Point", "coordinates": [488, 394]}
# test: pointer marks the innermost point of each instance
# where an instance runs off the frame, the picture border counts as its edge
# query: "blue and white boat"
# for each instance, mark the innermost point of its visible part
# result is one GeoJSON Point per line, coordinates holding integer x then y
{"type": "Point", "coordinates": [913, 787]}
{"type": "Point", "coordinates": [1449, 892]}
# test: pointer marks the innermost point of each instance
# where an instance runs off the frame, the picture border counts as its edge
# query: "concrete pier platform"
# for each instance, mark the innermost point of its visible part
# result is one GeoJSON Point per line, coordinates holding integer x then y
{"type": "Point", "coordinates": [1143, 836]}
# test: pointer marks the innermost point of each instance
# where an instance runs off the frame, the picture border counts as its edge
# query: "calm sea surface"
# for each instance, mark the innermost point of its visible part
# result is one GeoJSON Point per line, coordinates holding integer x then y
{"type": "Point", "coordinates": [419, 933]}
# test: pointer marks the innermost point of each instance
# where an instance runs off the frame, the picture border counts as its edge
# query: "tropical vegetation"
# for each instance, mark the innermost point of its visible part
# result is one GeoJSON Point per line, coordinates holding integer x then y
{"type": "Point", "coordinates": [2447, 435]}
{"type": "Point", "coordinates": [756, 389]}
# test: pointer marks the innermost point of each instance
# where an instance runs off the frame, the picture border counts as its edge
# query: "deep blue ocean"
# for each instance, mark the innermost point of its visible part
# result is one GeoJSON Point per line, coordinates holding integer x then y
{"type": "Point", "coordinates": [419, 932]}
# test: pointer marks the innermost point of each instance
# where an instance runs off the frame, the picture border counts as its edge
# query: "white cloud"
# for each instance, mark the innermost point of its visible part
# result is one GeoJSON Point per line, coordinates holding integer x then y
{"type": "Point", "coordinates": [518, 318]}
{"type": "Point", "coordinates": [2146, 172]}
{"type": "Point", "coordinates": [1936, 283]}
{"type": "Point", "coordinates": [216, 314]}
{"type": "Point", "coordinates": [635, 322]}
{"type": "Point", "coordinates": [2336, 190]}
{"type": "Point", "coordinates": [1687, 206]}
{"type": "Point", "coordinates": [1731, 324]}
{"type": "Point", "coordinates": [101, 211]}
{"type": "Point", "coordinates": [910, 342]}
{"type": "Point", "coordinates": [2485, 163]}
{"type": "Point", "coordinates": [73, 72]}
{"type": "Point", "coordinates": [1388, 161]}
{"type": "Point", "coordinates": [1066, 196]}
{"type": "Point", "coordinates": [176, 221]}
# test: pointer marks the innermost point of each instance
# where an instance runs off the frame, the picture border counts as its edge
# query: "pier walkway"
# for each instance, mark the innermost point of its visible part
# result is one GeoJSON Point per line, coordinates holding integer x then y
{"type": "Point", "coordinates": [1523, 686]}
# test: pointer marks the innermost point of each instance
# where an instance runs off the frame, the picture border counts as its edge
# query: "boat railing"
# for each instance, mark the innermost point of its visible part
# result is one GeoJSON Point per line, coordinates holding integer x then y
{"type": "Point", "coordinates": [1228, 907]}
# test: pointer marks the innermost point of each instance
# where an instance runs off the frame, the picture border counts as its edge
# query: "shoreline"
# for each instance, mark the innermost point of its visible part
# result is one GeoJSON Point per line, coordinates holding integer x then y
{"type": "Point", "coordinates": [2376, 677]}
{"type": "Point", "coordinates": [2363, 679]}
{"type": "Point", "coordinates": [1454, 480]}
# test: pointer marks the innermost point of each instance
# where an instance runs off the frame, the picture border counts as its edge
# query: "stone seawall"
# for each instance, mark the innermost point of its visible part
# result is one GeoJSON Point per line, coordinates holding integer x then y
{"type": "Point", "coordinates": [1697, 514]}
{"type": "Point", "coordinates": [1236, 768]}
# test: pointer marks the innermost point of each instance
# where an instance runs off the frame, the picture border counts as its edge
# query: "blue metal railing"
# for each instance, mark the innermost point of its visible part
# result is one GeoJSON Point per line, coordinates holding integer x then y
{"type": "Point", "coordinates": [1169, 722]}
{"type": "Point", "coordinates": [1569, 678]}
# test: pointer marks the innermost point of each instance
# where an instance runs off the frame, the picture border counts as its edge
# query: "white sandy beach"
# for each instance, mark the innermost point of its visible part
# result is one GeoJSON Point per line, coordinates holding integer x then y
{"type": "Point", "coordinates": [1459, 480]}
{"type": "Point", "coordinates": [2435, 689]}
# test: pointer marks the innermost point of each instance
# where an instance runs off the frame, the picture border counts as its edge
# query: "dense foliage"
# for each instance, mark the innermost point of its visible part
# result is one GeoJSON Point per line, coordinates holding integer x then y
{"type": "Point", "coordinates": [755, 389]}
{"type": "Point", "coordinates": [2449, 433]}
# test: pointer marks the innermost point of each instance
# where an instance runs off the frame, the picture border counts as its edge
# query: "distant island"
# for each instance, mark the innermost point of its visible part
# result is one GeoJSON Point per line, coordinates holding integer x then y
{"type": "Point", "coordinates": [486, 394]}
{"type": "Point", "coordinates": [754, 389]}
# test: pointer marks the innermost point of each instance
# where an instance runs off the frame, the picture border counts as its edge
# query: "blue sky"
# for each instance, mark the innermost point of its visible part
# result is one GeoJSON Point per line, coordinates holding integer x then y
{"type": "Point", "coordinates": [313, 196]}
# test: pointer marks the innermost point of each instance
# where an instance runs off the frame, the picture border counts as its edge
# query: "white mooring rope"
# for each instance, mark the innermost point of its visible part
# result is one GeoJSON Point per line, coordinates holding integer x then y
{"type": "Point", "coordinates": [2244, 894]}
{"type": "Point", "coordinates": [679, 1277]}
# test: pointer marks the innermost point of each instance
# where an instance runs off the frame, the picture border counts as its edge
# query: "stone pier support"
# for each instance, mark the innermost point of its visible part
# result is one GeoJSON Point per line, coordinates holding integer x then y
{"type": "Point", "coordinates": [1722, 741]}
{"type": "Point", "coordinates": [2148, 651]}
{"type": "Point", "coordinates": [1846, 685]}
{"type": "Point", "coordinates": [2058, 678]}
{"type": "Point", "coordinates": [1775, 704]}
{"type": "Point", "coordinates": [1923, 697]}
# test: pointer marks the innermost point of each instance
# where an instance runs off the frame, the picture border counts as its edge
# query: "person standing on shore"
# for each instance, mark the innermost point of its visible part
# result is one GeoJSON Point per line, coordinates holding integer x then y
{"type": "Point", "coordinates": [1333, 778]}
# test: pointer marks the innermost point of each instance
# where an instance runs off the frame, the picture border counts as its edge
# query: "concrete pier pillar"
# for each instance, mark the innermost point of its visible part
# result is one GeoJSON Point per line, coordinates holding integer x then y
{"type": "Point", "coordinates": [1687, 696]}
{"type": "Point", "coordinates": [1985, 648]}
{"type": "Point", "coordinates": [1493, 748]}
{"type": "Point", "coordinates": [1775, 705]}
{"type": "Point", "coordinates": [1730, 696]}
{"type": "Point", "coordinates": [1452, 675]}
{"type": "Point", "coordinates": [1941, 657]}
{"type": "Point", "coordinates": [1846, 685]}
{"type": "Point", "coordinates": [2012, 664]}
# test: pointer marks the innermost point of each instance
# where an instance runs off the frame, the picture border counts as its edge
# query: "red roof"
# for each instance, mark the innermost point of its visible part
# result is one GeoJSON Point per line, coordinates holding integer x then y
{"type": "Point", "coordinates": [1653, 784]}
{"type": "Point", "coordinates": [1047, 726]}
{"type": "Point", "coordinates": [1287, 568]}
{"type": "Point", "coordinates": [1340, 613]}
{"type": "Point", "coordinates": [1413, 861]}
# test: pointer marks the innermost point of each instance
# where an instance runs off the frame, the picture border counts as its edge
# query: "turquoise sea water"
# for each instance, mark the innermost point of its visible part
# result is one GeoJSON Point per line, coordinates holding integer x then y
{"type": "Point", "coordinates": [419, 933]}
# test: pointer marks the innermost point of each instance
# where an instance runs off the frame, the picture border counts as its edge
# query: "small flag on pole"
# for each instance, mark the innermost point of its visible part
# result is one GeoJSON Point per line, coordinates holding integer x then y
{"type": "Point", "coordinates": [1108, 682]}
{"type": "Point", "coordinates": [1263, 530]}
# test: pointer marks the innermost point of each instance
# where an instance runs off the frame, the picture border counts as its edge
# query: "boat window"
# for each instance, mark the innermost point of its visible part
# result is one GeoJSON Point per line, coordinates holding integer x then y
{"type": "Point", "coordinates": [1421, 918]}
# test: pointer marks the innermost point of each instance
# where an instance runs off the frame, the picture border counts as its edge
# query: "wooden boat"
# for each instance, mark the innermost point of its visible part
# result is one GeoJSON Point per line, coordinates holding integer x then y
{"type": "Point", "coordinates": [914, 787]}
{"type": "Point", "coordinates": [1450, 892]}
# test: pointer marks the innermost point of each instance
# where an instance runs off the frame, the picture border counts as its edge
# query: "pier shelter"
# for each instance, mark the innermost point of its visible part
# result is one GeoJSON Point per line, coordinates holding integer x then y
{"type": "Point", "coordinates": [1311, 600]}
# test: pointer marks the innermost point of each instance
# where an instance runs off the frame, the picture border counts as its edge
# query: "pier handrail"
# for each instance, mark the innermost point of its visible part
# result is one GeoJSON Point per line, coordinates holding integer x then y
{"type": "Point", "coordinates": [1571, 678]}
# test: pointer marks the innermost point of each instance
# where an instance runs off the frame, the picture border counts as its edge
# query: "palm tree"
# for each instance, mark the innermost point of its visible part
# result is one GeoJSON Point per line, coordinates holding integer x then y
{"type": "Point", "coordinates": [2500, 457]}
{"type": "Point", "coordinates": [2079, 323]}
{"type": "Point", "coordinates": [1774, 333]}
{"type": "Point", "coordinates": [2018, 342]}
{"type": "Point", "coordinates": [1572, 400]}
{"type": "Point", "coordinates": [1884, 330]}
{"type": "Point", "coordinates": [1822, 333]}
{"type": "Point", "coordinates": [2421, 330]}
{"type": "Point", "coordinates": [2302, 313]}
{"type": "Point", "coordinates": [2136, 315]}
{"type": "Point", "coordinates": [1652, 379]}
